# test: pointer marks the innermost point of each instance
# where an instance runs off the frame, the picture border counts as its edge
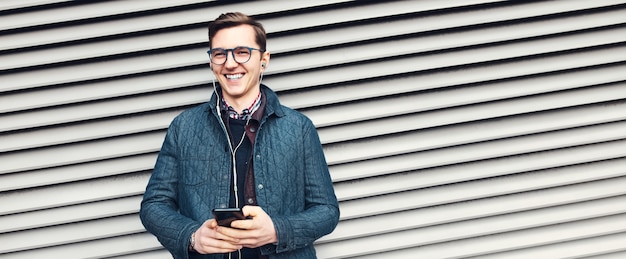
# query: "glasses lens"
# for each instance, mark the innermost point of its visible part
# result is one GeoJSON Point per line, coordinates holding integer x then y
{"type": "Point", "coordinates": [218, 56]}
{"type": "Point", "coordinates": [241, 54]}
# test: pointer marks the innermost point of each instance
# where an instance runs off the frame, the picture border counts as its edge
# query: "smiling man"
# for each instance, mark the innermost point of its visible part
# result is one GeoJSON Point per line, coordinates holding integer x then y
{"type": "Point", "coordinates": [241, 150]}
{"type": "Point", "coordinates": [238, 76]}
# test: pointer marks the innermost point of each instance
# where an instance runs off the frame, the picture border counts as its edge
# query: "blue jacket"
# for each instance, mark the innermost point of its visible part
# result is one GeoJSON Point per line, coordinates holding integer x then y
{"type": "Point", "coordinates": [192, 176]}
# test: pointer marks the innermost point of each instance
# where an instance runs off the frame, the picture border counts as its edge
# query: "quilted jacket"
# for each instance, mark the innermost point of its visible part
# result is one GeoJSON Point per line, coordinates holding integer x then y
{"type": "Point", "coordinates": [192, 176]}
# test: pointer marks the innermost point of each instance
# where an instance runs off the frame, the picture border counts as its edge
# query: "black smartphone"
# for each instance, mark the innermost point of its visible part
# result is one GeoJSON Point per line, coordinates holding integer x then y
{"type": "Point", "coordinates": [227, 215]}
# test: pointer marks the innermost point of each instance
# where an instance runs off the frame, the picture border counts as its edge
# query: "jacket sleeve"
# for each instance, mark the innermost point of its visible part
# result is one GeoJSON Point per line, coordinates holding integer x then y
{"type": "Point", "coordinates": [321, 211]}
{"type": "Point", "coordinates": [159, 207]}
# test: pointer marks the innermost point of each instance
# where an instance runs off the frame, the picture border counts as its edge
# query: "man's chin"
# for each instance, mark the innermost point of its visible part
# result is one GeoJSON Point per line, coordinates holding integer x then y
{"type": "Point", "coordinates": [233, 92]}
{"type": "Point", "coordinates": [231, 84]}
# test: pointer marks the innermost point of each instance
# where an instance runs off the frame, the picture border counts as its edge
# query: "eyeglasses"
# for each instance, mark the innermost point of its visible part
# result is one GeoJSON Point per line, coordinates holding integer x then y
{"type": "Point", "coordinates": [241, 55]}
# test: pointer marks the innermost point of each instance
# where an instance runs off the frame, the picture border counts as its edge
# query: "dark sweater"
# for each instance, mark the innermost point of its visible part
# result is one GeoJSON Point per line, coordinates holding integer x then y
{"type": "Point", "coordinates": [243, 157]}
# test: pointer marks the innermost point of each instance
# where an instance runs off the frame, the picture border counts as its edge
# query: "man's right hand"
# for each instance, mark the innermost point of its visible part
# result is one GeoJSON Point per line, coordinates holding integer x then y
{"type": "Point", "coordinates": [209, 241]}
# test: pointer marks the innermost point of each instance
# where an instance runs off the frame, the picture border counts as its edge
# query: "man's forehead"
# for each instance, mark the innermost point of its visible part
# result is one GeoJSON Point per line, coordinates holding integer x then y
{"type": "Point", "coordinates": [241, 35]}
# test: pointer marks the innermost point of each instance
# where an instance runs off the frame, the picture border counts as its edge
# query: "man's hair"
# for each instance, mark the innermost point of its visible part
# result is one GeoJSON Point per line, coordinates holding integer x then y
{"type": "Point", "coordinates": [228, 20]}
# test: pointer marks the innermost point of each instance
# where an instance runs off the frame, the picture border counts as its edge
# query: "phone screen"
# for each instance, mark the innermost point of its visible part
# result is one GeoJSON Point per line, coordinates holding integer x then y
{"type": "Point", "coordinates": [225, 216]}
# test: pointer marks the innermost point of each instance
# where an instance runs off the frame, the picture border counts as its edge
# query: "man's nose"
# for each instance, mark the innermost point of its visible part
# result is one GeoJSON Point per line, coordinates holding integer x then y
{"type": "Point", "coordinates": [230, 59]}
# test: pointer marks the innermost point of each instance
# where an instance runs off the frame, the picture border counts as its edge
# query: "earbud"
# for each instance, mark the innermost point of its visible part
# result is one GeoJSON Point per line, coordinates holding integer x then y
{"type": "Point", "coordinates": [263, 64]}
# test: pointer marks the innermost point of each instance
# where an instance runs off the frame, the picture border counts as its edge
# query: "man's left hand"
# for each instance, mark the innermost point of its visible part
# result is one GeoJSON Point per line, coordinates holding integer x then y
{"type": "Point", "coordinates": [254, 232]}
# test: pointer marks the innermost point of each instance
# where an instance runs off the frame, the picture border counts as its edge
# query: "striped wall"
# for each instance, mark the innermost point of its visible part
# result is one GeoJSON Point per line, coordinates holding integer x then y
{"type": "Point", "coordinates": [453, 129]}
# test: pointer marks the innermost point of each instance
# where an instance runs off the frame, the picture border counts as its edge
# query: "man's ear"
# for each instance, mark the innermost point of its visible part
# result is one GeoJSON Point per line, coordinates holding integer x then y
{"type": "Point", "coordinates": [265, 60]}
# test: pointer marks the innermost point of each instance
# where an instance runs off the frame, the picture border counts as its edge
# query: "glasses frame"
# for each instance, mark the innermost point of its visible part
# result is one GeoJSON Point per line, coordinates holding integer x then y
{"type": "Point", "coordinates": [232, 53]}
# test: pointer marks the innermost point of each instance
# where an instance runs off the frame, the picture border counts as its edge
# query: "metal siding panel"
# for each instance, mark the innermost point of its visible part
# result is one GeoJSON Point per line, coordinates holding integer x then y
{"type": "Point", "coordinates": [17, 4]}
{"type": "Point", "coordinates": [69, 214]}
{"type": "Point", "coordinates": [434, 62]}
{"type": "Point", "coordinates": [448, 193]}
{"type": "Point", "coordinates": [81, 152]}
{"type": "Point", "coordinates": [118, 21]}
{"type": "Point", "coordinates": [404, 143]}
{"type": "Point", "coordinates": [415, 45]}
{"type": "Point", "coordinates": [71, 13]}
{"type": "Point", "coordinates": [602, 247]}
{"type": "Point", "coordinates": [547, 201]}
{"type": "Point", "coordinates": [71, 233]}
{"type": "Point", "coordinates": [438, 21]}
{"type": "Point", "coordinates": [77, 172]}
{"type": "Point", "coordinates": [484, 105]}
{"type": "Point", "coordinates": [89, 130]}
{"type": "Point", "coordinates": [429, 177]}
{"type": "Point", "coordinates": [444, 122]}
{"type": "Point", "coordinates": [93, 91]}
{"type": "Point", "coordinates": [131, 245]}
{"type": "Point", "coordinates": [480, 246]}
{"type": "Point", "coordinates": [73, 193]}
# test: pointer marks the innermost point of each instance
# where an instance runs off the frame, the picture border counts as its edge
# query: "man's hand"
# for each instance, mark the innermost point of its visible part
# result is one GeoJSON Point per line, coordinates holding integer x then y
{"type": "Point", "coordinates": [252, 233]}
{"type": "Point", "coordinates": [209, 241]}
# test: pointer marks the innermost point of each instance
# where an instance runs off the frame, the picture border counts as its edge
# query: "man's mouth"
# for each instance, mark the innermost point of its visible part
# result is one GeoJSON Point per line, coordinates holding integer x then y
{"type": "Point", "coordinates": [234, 76]}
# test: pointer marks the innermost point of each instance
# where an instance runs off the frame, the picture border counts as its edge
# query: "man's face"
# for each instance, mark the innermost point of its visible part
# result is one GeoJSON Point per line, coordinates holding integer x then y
{"type": "Point", "coordinates": [240, 82]}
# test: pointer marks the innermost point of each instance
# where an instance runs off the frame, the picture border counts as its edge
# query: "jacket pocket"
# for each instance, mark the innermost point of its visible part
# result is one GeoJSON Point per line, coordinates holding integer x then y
{"type": "Point", "coordinates": [202, 163]}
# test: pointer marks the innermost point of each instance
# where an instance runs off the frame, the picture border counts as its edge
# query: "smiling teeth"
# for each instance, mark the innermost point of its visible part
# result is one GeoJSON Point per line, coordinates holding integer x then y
{"type": "Point", "coordinates": [236, 76]}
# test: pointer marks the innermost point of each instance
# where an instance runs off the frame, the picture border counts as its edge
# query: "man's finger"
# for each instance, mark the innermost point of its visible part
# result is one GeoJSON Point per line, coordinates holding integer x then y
{"type": "Point", "coordinates": [242, 224]}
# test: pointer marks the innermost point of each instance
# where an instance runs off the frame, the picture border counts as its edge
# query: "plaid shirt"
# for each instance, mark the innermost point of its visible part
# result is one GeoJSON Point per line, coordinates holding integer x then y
{"type": "Point", "coordinates": [246, 113]}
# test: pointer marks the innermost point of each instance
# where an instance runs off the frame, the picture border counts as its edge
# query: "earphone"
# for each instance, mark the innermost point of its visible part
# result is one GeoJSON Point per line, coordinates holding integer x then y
{"type": "Point", "coordinates": [263, 64]}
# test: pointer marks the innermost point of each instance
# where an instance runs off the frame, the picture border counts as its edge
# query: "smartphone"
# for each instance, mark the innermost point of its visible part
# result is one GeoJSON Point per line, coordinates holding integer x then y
{"type": "Point", "coordinates": [225, 216]}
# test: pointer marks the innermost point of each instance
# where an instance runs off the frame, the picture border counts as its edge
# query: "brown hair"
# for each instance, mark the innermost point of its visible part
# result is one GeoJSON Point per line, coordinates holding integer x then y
{"type": "Point", "coordinates": [228, 20]}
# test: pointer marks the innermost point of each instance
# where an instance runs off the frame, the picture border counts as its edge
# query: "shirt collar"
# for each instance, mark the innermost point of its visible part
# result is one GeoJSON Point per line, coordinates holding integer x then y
{"type": "Point", "coordinates": [246, 113]}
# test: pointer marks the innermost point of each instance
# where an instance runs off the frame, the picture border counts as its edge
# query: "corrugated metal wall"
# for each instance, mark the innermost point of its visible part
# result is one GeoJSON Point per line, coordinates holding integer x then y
{"type": "Point", "coordinates": [452, 128]}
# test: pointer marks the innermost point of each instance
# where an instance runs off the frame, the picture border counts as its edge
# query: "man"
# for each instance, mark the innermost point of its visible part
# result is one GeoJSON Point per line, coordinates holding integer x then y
{"type": "Point", "coordinates": [242, 149]}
